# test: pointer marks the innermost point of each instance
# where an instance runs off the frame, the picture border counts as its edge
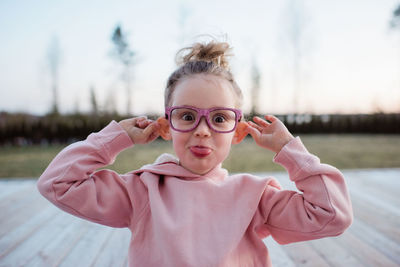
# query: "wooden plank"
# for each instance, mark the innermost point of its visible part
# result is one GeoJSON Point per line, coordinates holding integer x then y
{"type": "Point", "coordinates": [279, 257]}
{"type": "Point", "coordinates": [13, 216]}
{"type": "Point", "coordinates": [126, 262]}
{"type": "Point", "coordinates": [89, 246]}
{"type": "Point", "coordinates": [377, 195]}
{"type": "Point", "coordinates": [304, 255]}
{"type": "Point", "coordinates": [9, 187]}
{"type": "Point", "coordinates": [376, 176]}
{"type": "Point", "coordinates": [376, 239]}
{"type": "Point", "coordinates": [368, 255]}
{"type": "Point", "coordinates": [381, 220]}
{"type": "Point", "coordinates": [333, 253]}
{"type": "Point", "coordinates": [371, 207]}
{"type": "Point", "coordinates": [31, 246]}
{"type": "Point", "coordinates": [115, 250]}
{"type": "Point", "coordinates": [17, 200]}
{"type": "Point", "coordinates": [32, 238]}
{"type": "Point", "coordinates": [23, 231]}
{"type": "Point", "coordinates": [375, 204]}
{"type": "Point", "coordinates": [54, 252]}
{"type": "Point", "coordinates": [385, 186]}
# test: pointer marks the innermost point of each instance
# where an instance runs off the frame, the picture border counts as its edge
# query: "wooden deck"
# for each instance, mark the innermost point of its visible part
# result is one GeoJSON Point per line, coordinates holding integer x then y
{"type": "Point", "coordinates": [34, 233]}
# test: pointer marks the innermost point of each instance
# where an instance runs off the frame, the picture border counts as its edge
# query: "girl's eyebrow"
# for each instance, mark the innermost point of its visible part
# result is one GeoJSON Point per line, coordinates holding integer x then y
{"type": "Point", "coordinates": [191, 106]}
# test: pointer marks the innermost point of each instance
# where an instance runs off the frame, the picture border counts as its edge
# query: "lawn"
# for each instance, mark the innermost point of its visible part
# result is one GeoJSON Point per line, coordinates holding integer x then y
{"type": "Point", "coordinates": [342, 151]}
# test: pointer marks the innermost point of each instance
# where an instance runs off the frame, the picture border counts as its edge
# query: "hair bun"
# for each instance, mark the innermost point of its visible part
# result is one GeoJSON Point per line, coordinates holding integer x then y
{"type": "Point", "coordinates": [216, 52]}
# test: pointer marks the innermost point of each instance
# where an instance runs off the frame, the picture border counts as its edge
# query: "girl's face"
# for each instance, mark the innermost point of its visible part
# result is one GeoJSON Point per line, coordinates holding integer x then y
{"type": "Point", "coordinates": [202, 149]}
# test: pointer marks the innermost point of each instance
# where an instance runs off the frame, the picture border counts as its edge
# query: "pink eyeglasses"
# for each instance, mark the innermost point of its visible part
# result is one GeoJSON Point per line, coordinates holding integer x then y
{"type": "Point", "coordinates": [187, 118]}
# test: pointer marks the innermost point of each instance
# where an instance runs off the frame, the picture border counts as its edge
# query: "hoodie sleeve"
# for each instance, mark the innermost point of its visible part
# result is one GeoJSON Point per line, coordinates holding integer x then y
{"type": "Point", "coordinates": [72, 183]}
{"type": "Point", "coordinates": [321, 208]}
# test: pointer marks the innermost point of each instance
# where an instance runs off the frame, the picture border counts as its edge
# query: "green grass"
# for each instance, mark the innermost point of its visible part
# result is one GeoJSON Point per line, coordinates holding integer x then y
{"type": "Point", "coordinates": [341, 151]}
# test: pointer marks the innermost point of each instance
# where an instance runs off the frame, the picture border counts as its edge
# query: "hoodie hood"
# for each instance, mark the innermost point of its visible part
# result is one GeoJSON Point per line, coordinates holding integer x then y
{"type": "Point", "coordinates": [168, 165]}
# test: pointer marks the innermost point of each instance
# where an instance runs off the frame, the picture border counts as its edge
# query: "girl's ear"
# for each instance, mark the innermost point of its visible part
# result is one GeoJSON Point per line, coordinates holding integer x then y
{"type": "Point", "coordinates": [164, 128]}
{"type": "Point", "coordinates": [240, 132]}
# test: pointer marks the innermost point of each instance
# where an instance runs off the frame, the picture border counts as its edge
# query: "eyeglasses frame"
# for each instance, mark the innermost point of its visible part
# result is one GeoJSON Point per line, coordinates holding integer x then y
{"type": "Point", "coordinates": [203, 112]}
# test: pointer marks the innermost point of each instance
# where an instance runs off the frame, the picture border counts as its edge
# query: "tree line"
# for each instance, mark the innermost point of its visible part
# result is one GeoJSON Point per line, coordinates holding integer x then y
{"type": "Point", "coordinates": [25, 129]}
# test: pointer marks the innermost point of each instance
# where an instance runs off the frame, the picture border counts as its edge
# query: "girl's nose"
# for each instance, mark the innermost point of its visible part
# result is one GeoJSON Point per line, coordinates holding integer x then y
{"type": "Point", "coordinates": [202, 130]}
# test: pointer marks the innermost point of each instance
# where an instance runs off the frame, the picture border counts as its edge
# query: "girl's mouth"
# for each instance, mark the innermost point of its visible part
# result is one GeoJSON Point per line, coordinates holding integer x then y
{"type": "Point", "coordinates": [200, 151]}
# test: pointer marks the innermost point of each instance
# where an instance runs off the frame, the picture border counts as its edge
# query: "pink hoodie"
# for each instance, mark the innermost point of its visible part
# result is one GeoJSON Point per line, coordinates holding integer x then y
{"type": "Point", "coordinates": [178, 218]}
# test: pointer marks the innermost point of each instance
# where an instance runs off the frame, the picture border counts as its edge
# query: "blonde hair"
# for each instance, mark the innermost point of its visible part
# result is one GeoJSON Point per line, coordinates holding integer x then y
{"type": "Point", "coordinates": [202, 58]}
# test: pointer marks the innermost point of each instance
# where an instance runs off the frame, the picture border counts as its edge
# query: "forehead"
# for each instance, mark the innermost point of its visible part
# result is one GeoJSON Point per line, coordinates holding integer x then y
{"type": "Point", "coordinates": [204, 91]}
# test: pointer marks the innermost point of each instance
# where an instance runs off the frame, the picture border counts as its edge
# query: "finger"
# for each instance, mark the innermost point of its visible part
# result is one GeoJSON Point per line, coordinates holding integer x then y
{"type": "Point", "coordinates": [271, 118]}
{"type": "Point", "coordinates": [260, 122]}
{"type": "Point", "coordinates": [139, 119]}
{"type": "Point", "coordinates": [153, 136]}
{"type": "Point", "coordinates": [144, 123]}
{"type": "Point", "coordinates": [151, 129]}
{"type": "Point", "coordinates": [134, 121]}
{"type": "Point", "coordinates": [252, 124]}
{"type": "Point", "coordinates": [254, 132]}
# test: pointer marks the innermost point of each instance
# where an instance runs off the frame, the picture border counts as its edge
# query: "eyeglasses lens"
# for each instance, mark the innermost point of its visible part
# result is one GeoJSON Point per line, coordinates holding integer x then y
{"type": "Point", "coordinates": [222, 120]}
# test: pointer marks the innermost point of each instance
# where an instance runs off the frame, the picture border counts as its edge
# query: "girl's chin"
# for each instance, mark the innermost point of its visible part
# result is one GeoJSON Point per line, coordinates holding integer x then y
{"type": "Point", "coordinates": [199, 170]}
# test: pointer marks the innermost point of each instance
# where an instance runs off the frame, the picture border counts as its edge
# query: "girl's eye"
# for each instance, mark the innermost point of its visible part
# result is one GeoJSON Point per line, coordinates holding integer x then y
{"type": "Point", "coordinates": [188, 117]}
{"type": "Point", "coordinates": [219, 119]}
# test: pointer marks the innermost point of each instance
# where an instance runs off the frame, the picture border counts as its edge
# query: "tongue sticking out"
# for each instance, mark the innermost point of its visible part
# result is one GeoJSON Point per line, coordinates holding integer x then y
{"type": "Point", "coordinates": [199, 151]}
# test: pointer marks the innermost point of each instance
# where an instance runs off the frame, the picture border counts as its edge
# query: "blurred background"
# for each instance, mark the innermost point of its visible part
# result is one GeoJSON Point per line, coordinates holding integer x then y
{"type": "Point", "coordinates": [329, 69]}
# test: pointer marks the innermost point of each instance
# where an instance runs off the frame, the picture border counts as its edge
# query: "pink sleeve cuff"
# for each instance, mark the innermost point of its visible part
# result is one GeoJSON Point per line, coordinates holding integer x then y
{"type": "Point", "coordinates": [114, 139]}
{"type": "Point", "coordinates": [294, 157]}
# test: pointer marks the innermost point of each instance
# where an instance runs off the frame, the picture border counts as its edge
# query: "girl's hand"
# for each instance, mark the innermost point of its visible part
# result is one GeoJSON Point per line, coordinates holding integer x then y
{"type": "Point", "coordinates": [140, 129]}
{"type": "Point", "coordinates": [272, 135]}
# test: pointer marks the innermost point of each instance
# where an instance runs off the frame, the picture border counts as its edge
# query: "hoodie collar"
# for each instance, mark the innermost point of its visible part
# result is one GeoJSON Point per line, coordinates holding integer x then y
{"type": "Point", "coordinates": [167, 164]}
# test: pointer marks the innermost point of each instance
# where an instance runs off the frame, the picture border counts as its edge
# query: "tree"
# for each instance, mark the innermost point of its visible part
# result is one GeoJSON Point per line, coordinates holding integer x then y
{"type": "Point", "coordinates": [53, 58]}
{"type": "Point", "coordinates": [124, 55]}
{"type": "Point", "coordinates": [395, 22]}
{"type": "Point", "coordinates": [93, 102]}
{"type": "Point", "coordinates": [296, 23]}
{"type": "Point", "coordinates": [255, 89]}
{"type": "Point", "coordinates": [110, 105]}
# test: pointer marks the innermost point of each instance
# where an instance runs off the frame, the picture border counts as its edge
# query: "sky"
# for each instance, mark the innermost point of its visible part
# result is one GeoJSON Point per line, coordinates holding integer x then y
{"type": "Point", "coordinates": [349, 58]}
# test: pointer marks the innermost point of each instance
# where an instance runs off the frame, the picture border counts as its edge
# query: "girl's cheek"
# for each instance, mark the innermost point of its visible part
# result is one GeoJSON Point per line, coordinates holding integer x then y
{"type": "Point", "coordinates": [178, 142]}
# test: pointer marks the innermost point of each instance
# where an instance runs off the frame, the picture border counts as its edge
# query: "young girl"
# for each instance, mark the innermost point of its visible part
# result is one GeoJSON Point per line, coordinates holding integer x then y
{"type": "Point", "coordinates": [187, 211]}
